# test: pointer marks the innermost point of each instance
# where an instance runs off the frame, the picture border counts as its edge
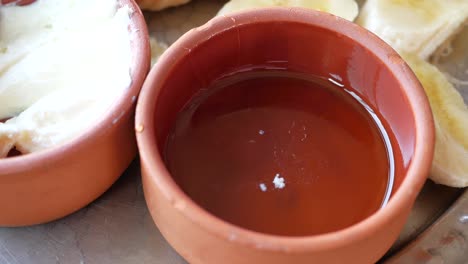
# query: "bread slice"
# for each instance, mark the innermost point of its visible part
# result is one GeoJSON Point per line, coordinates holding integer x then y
{"type": "Point", "coordinates": [155, 5]}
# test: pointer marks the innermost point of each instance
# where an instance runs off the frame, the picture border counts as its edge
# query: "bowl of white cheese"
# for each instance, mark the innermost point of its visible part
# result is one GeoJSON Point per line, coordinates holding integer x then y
{"type": "Point", "coordinates": [70, 74]}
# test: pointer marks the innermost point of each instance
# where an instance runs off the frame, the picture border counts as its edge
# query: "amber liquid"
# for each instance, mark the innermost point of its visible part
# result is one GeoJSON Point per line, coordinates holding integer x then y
{"type": "Point", "coordinates": [232, 139]}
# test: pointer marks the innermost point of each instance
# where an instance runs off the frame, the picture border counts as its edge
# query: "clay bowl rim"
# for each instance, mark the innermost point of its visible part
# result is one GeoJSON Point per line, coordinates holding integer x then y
{"type": "Point", "coordinates": [140, 64]}
{"type": "Point", "coordinates": [159, 176]}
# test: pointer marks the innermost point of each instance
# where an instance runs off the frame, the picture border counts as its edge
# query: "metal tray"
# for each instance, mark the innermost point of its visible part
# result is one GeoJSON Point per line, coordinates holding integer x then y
{"type": "Point", "coordinates": [117, 227]}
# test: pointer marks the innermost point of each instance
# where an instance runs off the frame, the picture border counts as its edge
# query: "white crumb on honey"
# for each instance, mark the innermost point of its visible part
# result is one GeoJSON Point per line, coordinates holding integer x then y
{"type": "Point", "coordinates": [278, 181]}
{"type": "Point", "coordinates": [261, 132]}
{"type": "Point", "coordinates": [263, 187]}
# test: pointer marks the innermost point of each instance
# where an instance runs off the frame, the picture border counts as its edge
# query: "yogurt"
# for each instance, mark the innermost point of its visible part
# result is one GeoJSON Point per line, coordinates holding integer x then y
{"type": "Point", "coordinates": [62, 66]}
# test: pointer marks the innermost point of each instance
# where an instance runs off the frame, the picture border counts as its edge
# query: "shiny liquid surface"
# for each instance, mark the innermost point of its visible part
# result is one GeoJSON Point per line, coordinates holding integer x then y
{"type": "Point", "coordinates": [325, 150]}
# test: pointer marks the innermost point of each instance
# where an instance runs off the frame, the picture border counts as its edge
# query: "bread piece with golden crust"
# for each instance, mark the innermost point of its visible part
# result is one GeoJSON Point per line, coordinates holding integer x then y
{"type": "Point", "coordinates": [156, 5]}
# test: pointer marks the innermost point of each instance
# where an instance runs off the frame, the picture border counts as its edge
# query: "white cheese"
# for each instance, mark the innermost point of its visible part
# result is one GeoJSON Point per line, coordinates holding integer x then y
{"type": "Point", "coordinates": [63, 65]}
{"type": "Point", "coordinates": [8, 135]}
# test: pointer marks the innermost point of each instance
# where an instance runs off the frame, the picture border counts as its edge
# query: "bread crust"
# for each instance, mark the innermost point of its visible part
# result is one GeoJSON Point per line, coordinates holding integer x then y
{"type": "Point", "coordinates": [156, 5]}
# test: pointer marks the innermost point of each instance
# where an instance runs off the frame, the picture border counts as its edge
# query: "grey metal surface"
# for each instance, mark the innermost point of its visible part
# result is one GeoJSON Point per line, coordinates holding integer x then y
{"type": "Point", "coordinates": [445, 241]}
{"type": "Point", "coordinates": [117, 227]}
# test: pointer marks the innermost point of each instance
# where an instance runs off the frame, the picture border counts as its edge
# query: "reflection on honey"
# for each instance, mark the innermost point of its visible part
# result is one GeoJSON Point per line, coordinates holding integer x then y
{"type": "Point", "coordinates": [280, 154]}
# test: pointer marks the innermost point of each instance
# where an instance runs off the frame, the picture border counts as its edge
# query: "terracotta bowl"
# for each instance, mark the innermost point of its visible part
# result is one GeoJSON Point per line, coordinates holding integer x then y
{"type": "Point", "coordinates": [50, 184]}
{"type": "Point", "coordinates": [302, 41]}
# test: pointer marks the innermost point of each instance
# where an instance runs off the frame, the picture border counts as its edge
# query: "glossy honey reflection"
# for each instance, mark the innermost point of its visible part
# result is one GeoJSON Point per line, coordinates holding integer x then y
{"type": "Point", "coordinates": [281, 153]}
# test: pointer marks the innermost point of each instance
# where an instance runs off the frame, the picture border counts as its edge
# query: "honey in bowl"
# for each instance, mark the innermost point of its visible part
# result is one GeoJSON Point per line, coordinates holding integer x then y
{"type": "Point", "coordinates": [281, 153]}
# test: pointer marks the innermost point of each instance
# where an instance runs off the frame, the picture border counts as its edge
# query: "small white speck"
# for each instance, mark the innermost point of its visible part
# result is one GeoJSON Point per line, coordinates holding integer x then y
{"type": "Point", "coordinates": [464, 219]}
{"type": "Point", "coordinates": [279, 181]}
{"type": "Point", "coordinates": [261, 132]}
{"type": "Point", "coordinates": [304, 138]}
{"type": "Point", "coordinates": [263, 187]}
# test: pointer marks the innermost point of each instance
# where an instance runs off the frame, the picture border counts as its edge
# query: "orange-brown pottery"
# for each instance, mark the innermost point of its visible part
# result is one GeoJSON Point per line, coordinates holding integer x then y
{"type": "Point", "coordinates": [302, 41]}
{"type": "Point", "coordinates": [44, 186]}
